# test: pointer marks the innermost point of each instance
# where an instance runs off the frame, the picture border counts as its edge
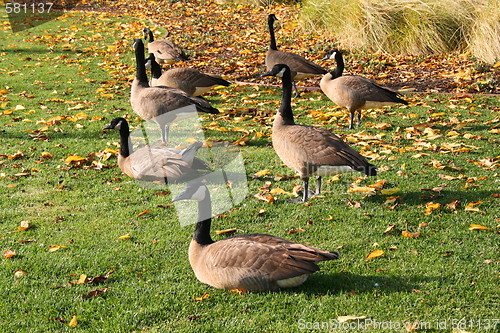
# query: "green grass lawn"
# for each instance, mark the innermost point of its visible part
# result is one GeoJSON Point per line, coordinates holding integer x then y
{"type": "Point", "coordinates": [63, 81]}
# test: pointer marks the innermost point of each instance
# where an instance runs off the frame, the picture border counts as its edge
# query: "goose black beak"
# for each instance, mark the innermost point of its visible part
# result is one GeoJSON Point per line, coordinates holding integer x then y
{"type": "Point", "coordinates": [182, 196]}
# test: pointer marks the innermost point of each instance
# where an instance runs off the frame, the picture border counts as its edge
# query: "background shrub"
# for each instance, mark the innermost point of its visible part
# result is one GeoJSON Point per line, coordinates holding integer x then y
{"type": "Point", "coordinates": [422, 27]}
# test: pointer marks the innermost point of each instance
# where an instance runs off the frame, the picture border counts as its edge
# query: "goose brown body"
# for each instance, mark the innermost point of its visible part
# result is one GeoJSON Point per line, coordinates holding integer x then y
{"type": "Point", "coordinates": [157, 103]}
{"type": "Point", "coordinates": [189, 80]}
{"type": "Point", "coordinates": [300, 68]}
{"type": "Point", "coordinates": [355, 92]}
{"type": "Point", "coordinates": [255, 262]}
{"type": "Point", "coordinates": [310, 150]}
{"type": "Point", "coordinates": [155, 163]}
{"type": "Point", "coordinates": [165, 50]}
{"type": "Point", "coordinates": [247, 262]}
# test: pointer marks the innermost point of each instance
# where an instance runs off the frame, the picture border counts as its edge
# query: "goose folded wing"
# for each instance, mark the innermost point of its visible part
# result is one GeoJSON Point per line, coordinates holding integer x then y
{"type": "Point", "coordinates": [265, 261]}
{"type": "Point", "coordinates": [158, 164]}
{"type": "Point", "coordinates": [318, 146]}
{"type": "Point", "coordinates": [370, 90]}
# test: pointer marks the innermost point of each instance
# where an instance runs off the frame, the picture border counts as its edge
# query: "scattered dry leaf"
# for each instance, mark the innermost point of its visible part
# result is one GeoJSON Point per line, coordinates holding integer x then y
{"type": "Point", "coordinates": [390, 228]}
{"type": "Point", "coordinates": [406, 233]}
{"type": "Point", "coordinates": [390, 191]}
{"type": "Point", "coordinates": [237, 291]}
{"type": "Point", "coordinates": [374, 254]}
{"type": "Point", "coordinates": [9, 254]}
{"type": "Point", "coordinates": [127, 236]}
{"type": "Point", "coordinates": [25, 225]}
{"type": "Point", "coordinates": [142, 213]}
{"type": "Point", "coordinates": [94, 293]}
{"type": "Point", "coordinates": [278, 191]}
{"type": "Point", "coordinates": [471, 206]}
{"type": "Point", "coordinates": [19, 273]}
{"type": "Point", "coordinates": [202, 298]}
{"type": "Point", "coordinates": [75, 159]}
{"type": "Point", "coordinates": [265, 197]}
{"type": "Point", "coordinates": [73, 322]}
{"type": "Point", "coordinates": [261, 173]}
{"type": "Point", "coordinates": [53, 248]}
{"type": "Point", "coordinates": [226, 231]}
{"type": "Point", "coordinates": [478, 227]}
{"type": "Point", "coordinates": [343, 319]}
{"type": "Point", "coordinates": [430, 207]}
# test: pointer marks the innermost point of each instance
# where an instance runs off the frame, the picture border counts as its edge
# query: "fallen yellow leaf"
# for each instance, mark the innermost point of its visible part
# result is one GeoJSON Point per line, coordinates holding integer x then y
{"type": "Point", "coordinates": [237, 291]}
{"type": "Point", "coordinates": [471, 206]}
{"type": "Point", "coordinates": [278, 191]}
{"type": "Point", "coordinates": [202, 298]}
{"type": "Point", "coordinates": [82, 279]}
{"type": "Point", "coordinates": [75, 159]}
{"type": "Point", "coordinates": [127, 236]}
{"type": "Point", "coordinates": [9, 254]}
{"type": "Point", "coordinates": [391, 199]}
{"type": "Point", "coordinates": [406, 233]}
{"type": "Point", "coordinates": [265, 197]}
{"type": "Point", "coordinates": [360, 189]}
{"type": "Point", "coordinates": [144, 212]}
{"type": "Point", "coordinates": [375, 254]}
{"type": "Point", "coordinates": [226, 231]}
{"type": "Point", "coordinates": [46, 154]}
{"type": "Point", "coordinates": [19, 273]}
{"type": "Point", "coordinates": [378, 184]}
{"type": "Point", "coordinates": [478, 227]}
{"type": "Point", "coordinates": [390, 191]}
{"type": "Point", "coordinates": [53, 248]}
{"type": "Point", "coordinates": [343, 319]}
{"type": "Point", "coordinates": [430, 206]}
{"type": "Point", "coordinates": [389, 228]}
{"type": "Point", "coordinates": [261, 173]}
{"type": "Point", "coordinates": [25, 225]}
{"type": "Point", "coordinates": [73, 322]}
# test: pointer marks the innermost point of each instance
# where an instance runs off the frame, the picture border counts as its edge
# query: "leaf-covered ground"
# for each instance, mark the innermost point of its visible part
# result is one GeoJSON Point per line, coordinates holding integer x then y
{"type": "Point", "coordinates": [85, 248]}
{"type": "Point", "coordinates": [232, 40]}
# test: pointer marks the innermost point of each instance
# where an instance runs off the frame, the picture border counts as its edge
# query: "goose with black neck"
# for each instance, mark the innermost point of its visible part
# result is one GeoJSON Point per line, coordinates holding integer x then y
{"type": "Point", "coordinates": [309, 150]}
{"type": "Point", "coordinates": [258, 262]}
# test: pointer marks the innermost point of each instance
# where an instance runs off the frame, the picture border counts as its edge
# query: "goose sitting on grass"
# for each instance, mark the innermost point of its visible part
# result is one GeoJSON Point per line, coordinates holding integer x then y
{"type": "Point", "coordinates": [246, 262]}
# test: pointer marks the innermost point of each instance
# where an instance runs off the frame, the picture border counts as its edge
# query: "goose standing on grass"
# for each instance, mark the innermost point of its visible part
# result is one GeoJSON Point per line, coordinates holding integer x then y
{"type": "Point", "coordinates": [165, 51]}
{"type": "Point", "coordinates": [300, 67]}
{"type": "Point", "coordinates": [189, 80]}
{"type": "Point", "coordinates": [310, 150]}
{"type": "Point", "coordinates": [246, 262]}
{"type": "Point", "coordinates": [155, 163]}
{"type": "Point", "coordinates": [355, 92]}
{"type": "Point", "coordinates": [159, 104]}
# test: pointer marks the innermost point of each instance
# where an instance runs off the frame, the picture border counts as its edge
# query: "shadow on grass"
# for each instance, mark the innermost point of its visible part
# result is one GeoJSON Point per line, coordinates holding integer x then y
{"type": "Point", "coordinates": [358, 284]}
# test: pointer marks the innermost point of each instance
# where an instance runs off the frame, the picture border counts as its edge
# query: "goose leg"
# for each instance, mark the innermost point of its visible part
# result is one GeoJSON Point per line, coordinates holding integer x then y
{"type": "Point", "coordinates": [351, 123]}
{"type": "Point", "coordinates": [318, 185]}
{"type": "Point", "coordinates": [305, 196]}
{"type": "Point", "coordinates": [297, 94]}
{"type": "Point", "coordinates": [359, 117]}
{"type": "Point", "coordinates": [164, 134]}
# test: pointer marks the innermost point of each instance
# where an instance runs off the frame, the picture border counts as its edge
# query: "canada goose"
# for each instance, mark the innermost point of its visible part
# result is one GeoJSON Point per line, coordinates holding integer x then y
{"type": "Point", "coordinates": [300, 67]}
{"type": "Point", "coordinates": [155, 163]}
{"type": "Point", "coordinates": [355, 92]}
{"type": "Point", "coordinates": [165, 51]}
{"type": "Point", "coordinates": [160, 104]}
{"type": "Point", "coordinates": [190, 80]}
{"type": "Point", "coordinates": [246, 262]}
{"type": "Point", "coordinates": [310, 150]}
